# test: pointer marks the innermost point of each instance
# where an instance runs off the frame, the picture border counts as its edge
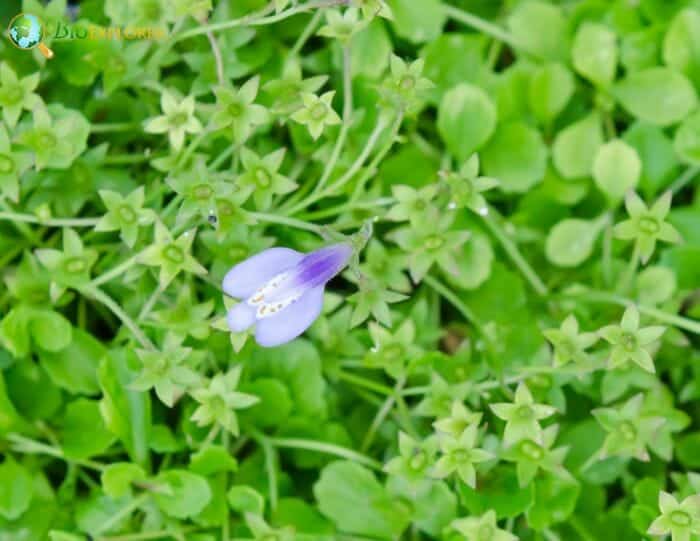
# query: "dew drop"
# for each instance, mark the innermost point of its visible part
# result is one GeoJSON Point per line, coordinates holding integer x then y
{"type": "Point", "coordinates": [452, 205]}
{"type": "Point", "coordinates": [483, 211]}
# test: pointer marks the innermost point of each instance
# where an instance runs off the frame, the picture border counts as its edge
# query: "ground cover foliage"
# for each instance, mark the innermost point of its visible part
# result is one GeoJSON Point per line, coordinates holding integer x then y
{"type": "Point", "coordinates": [512, 350]}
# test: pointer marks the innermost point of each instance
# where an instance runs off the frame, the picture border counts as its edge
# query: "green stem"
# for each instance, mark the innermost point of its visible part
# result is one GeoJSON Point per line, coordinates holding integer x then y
{"type": "Point", "coordinates": [344, 207]}
{"type": "Point", "coordinates": [148, 306]}
{"type": "Point", "coordinates": [372, 167]}
{"type": "Point", "coordinates": [369, 146]}
{"type": "Point", "coordinates": [589, 295]}
{"type": "Point", "coordinates": [283, 220]}
{"type": "Point", "coordinates": [255, 19]}
{"type": "Point", "coordinates": [626, 280]}
{"type": "Point", "coordinates": [111, 127]}
{"type": "Point", "coordinates": [453, 299]}
{"type": "Point", "coordinates": [382, 413]}
{"type": "Point", "coordinates": [221, 158]}
{"type": "Point", "coordinates": [688, 176]}
{"type": "Point", "coordinates": [91, 291]}
{"type": "Point", "coordinates": [119, 270]}
{"type": "Point", "coordinates": [347, 117]}
{"type": "Point", "coordinates": [480, 24]}
{"type": "Point", "coordinates": [22, 444]}
{"type": "Point", "coordinates": [512, 250]}
{"type": "Point", "coordinates": [363, 382]}
{"type": "Point", "coordinates": [270, 465]}
{"type": "Point", "coordinates": [123, 512]}
{"type": "Point", "coordinates": [327, 448]}
{"type": "Point", "coordinates": [51, 222]}
{"type": "Point", "coordinates": [144, 536]}
{"type": "Point", "coordinates": [125, 159]}
{"type": "Point", "coordinates": [307, 33]}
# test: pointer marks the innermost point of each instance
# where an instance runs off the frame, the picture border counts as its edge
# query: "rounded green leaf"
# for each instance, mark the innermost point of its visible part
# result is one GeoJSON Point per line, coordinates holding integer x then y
{"type": "Point", "coordinates": [539, 28]}
{"type": "Point", "coordinates": [658, 95]}
{"type": "Point", "coordinates": [687, 140]}
{"type": "Point", "coordinates": [660, 164]}
{"type": "Point", "coordinates": [275, 403]}
{"type": "Point", "coordinates": [417, 21]}
{"type": "Point", "coordinates": [616, 169]}
{"type": "Point", "coordinates": [189, 494]}
{"type": "Point", "coordinates": [370, 50]}
{"type": "Point", "coordinates": [570, 242]}
{"type": "Point", "coordinates": [50, 330]}
{"type": "Point", "coordinates": [474, 262]}
{"type": "Point", "coordinates": [245, 499]}
{"type": "Point", "coordinates": [551, 88]}
{"type": "Point", "coordinates": [656, 285]}
{"type": "Point", "coordinates": [84, 432]}
{"type": "Point", "coordinates": [16, 488]}
{"type": "Point", "coordinates": [576, 146]}
{"type": "Point", "coordinates": [466, 119]}
{"type": "Point", "coordinates": [516, 156]}
{"type": "Point", "coordinates": [681, 47]}
{"type": "Point", "coordinates": [594, 53]}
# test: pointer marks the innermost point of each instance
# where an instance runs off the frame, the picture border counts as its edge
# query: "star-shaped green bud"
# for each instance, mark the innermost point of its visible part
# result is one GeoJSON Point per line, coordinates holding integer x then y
{"type": "Point", "coordinates": [70, 267]}
{"type": "Point", "coordinates": [200, 190]}
{"type": "Point", "coordinates": [171, 255]}
{"type": "Point", "coordinates": [570, 345]}
{"type": "Point", "coordinates": [317, 113]}
{"type": "Point", "coordinates": [12, 165]}
{"type": "Point", "coordinates": [647, 225]}
{"type": "Point", "coordinates": [166, 371]}
{"type": "Point", "coordinates": [405, 86]}
{"type": "Point", "coordinates": [341, 26]}
{"type": "Point", "coordinates": [392, 352]}
{"type": "Point", "coordinates": [185, 317]}
{"type": "Point", "coordinates": [261, 177]}
{"type": "Point", "coordinates": [483, 528]}
{"type": "Point", "coordinates": [459, 455]}
{"type": "Point", "coordinates": [385, 267]}
{"type": "Point", "coordinates": [178, 118]}
{"type": "Point", "coordinates": [411, 204]}
{"type": "Point", "coordinates": [531, 456]}
{"type": "Point", "coordinates": [286, 91]}
{"type": "Point", "coordinates": [415, 459]}
{"type": "Point", "coordinates": [373, 8]}
{"type": "Point", "coordinates": [219, 400]}
{"type": "Point", "coordinates": [681, 520]}
{"type": "Point", "coordinates": [629, 430]}
{"type": "Point", "coordinates": [429, 245]}
{"type": "Point", "coordinates": [630, 342]}
{"type": "Point", "coordinates": [373, 299]}
{"type": "Point", "coordinates": [125, 214]}
{"type": "Point", "coordinates": [236, 109]}
{"type": "Point", "coordinates": [522, 416]}
{"type": "Point", "coordinates": [17, 94]}
{"type": "Point", "coordinates": [438, 401]}
{"type": "Point", "coordinates": [467, 187]}
{"type": "Point", "coordinates": [459, 420]}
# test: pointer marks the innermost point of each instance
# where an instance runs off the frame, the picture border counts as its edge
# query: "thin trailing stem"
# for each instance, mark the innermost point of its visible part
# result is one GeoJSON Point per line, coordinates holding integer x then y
{"type": "Point", "coordinates": [347, 117]}
{"type": "Point", "coordinates": [114, 272]}
{"type": "Point", "coordinates": [480, 24]}
{"type": "Point", "coordinates": [284, 220]}
{"type": "Point", "coordinates": [512, 251]}
{"type": "Point", "coordinates": [49, 222]}
{"type": "Point", "coordinates": [686, 178]}
{"type": "Point", "coordinates": [326, 448]}
{"type": "Point", "coordinates": [453, 299]}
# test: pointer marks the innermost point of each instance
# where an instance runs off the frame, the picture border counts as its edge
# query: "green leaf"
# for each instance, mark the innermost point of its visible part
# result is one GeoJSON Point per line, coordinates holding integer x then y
{"type": "Point", "coordinates": [594, 53]}
{"type": "Point", "coordinates": [539, 28]}
{"type": "Point", "coordinates": [16, 489]}
{"type": "Point", "coordinates": [555, 500]}
{"type": "Point", "coordinates": [516, 156]}
{"type": "Point", "coordinates": [213, 459]}
{"type": "Point", "coordinates": [570, 242]}
{"type": "Point", "coordinates": [681, 46]}
{"type": "Point", "coordinates": [371, 48]}
{"type": "Point", "coordinates": [687, 140]}
{"type": "Point", "coordinates": [117, 478]}
{"type": "Point", "coordinates": [84, 432]}
{"type": "Point", "coordinates": [245, 499]}
{"type": "Point", "coordinates": [616, 169]}
{"type": "Point", "coordinates": [303, 517]}
{"type": "Point", "coordinates": [501, 492]}
{"type": "Point", "coordinates": [466, 120]}
{"type": "Point", "coordinates": [551, 88]}
{"type": "Point", "coordinates": [126, 413]}
{"type": "Point", "coordinates": [50, 330]}
{"type": "Point", "coordinates": [659, 160]}
{"type": "Point", "coordinates": [275, 402]}
{"type": "Point", "coordinates": [74, 368]}
{"type": "Point", "coordinates": [659, 95]}
{"type": "Point", "coordinates": [418, 23]}
{"type": "Point", "coordinates": [189, 494]}
{"type": "Point", "coordinates": [347, 485]}
{"type": "Point", "coordinates": [576, 147]}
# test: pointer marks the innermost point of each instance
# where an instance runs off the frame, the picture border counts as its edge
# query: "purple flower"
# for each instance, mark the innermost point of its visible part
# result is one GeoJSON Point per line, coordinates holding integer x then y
{"type": "Point", "coordinates": [281, 291]}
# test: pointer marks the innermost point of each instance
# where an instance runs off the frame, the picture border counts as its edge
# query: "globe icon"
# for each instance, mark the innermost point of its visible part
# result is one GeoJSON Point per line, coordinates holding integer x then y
{"type": "Point", "coordinates": [26, 31]}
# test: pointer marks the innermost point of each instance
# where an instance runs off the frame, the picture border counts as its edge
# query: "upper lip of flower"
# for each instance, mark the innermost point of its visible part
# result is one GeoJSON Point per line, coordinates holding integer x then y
{"type": "Point", "coordinates": [282, 290]}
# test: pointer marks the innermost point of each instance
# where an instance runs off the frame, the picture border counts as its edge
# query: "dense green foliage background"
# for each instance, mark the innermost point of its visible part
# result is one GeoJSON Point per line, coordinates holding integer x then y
{"type": "Point", "coordinates": [512, 355]}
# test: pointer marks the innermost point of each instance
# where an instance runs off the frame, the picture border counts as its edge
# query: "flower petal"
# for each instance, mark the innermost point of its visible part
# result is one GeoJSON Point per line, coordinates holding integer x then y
{"type": "Point", "coordinates": [292, 321]}
{"type": "Point", "coordinates": [240, 317]}
{"type": "Point", "coordinates": [243, 279]}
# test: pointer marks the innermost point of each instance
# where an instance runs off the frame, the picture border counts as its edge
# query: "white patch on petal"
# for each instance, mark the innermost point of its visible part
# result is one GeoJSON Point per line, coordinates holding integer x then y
{"type": "Point", "coordinates": [260, 299]}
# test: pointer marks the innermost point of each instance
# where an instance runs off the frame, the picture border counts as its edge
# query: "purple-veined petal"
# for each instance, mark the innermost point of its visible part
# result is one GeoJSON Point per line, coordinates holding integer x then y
{"type": "Point", "coordinates": [240, 317]}
{"type": "Point", "coordinates": [243, 279]}
{"type": "Point", "coordinates": [292, 321]}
